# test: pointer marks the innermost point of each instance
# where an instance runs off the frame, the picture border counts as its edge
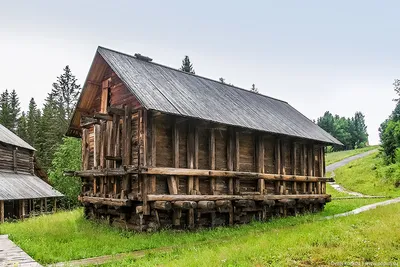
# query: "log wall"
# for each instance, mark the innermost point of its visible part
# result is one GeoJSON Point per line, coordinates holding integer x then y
{"type": "Point", "coordinates": [16, 159]}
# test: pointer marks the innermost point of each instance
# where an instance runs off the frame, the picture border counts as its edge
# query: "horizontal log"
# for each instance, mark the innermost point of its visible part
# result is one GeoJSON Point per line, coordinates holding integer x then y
{"type": "Point", "coordinates": [237, 174]}
{"type": "Point", "coordinates": [161, 205]}
{"type": "Point", "coordinates": [206, 205]}
{"type": "Point", "coordinates": [105, 201]}
{"type": "Point", "coordinates": [107, 172]}
{"type": "Point", "coordinates": [231, 197]}
{"type": "Point", "coordinates": [113, 158]}
{"type": "Point", "coordinates": [185, 204]}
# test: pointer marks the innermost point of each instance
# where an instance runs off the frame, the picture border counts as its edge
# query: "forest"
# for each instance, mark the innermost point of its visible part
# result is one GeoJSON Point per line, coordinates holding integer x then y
{"type": "Point", "coordinates": [352, 132]}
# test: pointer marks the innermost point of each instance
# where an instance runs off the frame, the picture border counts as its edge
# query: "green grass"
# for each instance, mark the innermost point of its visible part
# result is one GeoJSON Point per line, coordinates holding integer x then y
{"type": "Point", "coordinates": [368, 237]}
{"type": "Point", "coordinates": [340, 155]}
{"type": "Point", "coordinates": [66, 235]}
{"type": "Point", "coordinates": [362, 175]}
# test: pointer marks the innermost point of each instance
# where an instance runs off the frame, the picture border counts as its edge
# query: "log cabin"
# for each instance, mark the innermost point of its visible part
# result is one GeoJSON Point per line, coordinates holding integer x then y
{"type": "Point", "coordinates": [166, 148]}
{"type": "Point", "coordinates": [23, 190]}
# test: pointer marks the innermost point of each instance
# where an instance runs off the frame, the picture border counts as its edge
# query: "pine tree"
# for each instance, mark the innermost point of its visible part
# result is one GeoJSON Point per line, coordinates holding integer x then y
{"type": "Point", "coordinates": [22, 127]}
{"type": "Point", "coordinates": [5, 110]}
{"type": "Point", "coordinates": [14, 110]}
{"type": "Point", "coordinates": [254, 89]}
{"type": "Point", "coordinates": [32, 122]}
{"type": "Point", "coordinates": [187, 65]}
{"type": "Point", "coordinates": [65, 93]}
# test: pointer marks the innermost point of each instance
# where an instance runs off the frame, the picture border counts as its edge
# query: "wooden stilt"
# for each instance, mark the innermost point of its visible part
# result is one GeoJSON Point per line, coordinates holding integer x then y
{"type": "Point", "coordinates": [54, 205]}
{"type": "Point", "coordinates": [1, 211]}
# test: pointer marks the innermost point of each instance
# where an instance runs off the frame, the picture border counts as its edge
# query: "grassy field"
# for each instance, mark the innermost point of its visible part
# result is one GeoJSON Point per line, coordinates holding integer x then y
{"type": "Point", "coordinates": [338, 156]}
{"type": "Point", "coordinates": [362, 176]}
{"type": "Point", "coordinates": [66, 235]}
{"type": "Point", "coordinates": [348, 241]}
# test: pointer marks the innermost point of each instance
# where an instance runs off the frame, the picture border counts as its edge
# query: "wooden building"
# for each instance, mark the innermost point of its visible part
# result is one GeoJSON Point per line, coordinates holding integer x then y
{"type": "Point", "coordinates": [166, 148]}
{"type": "Point", "coordinates": [21, 190]}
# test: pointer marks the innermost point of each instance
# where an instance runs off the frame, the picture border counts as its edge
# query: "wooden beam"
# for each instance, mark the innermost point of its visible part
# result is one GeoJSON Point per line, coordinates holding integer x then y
{"type": "Point", "coordinates": [54, 205]}
{"type": "Point", "coordinates": [1, 211]}
{"type": "Point", "coordinates": [294, 159]}
{"type": "Point", "coordinates": [105, 201]}
{"type": "Point", "coordinates": [278, 156]}
{"type": "Point", "coordinates": [128, 136]}
{"type": "Point", "coordinates": [105, 86]}
{"type": "Point", "coordinates": [230, 157]}
{"type": "Point", "coordinates": [309, 161]}
{"type": "Point", "coordinates": [232, 197]}
{"type": "Point", "coordinates": [233, 174]}
{"type": "Point", "coordinates": [96, 148]}
{"type": "Point", "coordinates": [321, 160]}
{"type": "Point", "coordinates": [173, 182]}
{"type": "Point", "coordinates": [212, 159]}
{"type": "Point", "coordinates": [283, 156]}
{"type": "Point", "coordinates": [260, 161]}
{"type": "Point", "coordinates": [85, 149]}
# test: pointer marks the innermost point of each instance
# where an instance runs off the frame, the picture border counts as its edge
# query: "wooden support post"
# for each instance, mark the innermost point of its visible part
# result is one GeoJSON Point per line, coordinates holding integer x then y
{"type": "Point", "coordinates": [236, 167]}
{"type": "Point", "coordinates": [196, 160]}
{"type": "Point", "coordinates": [145, 192]}
{"type": "Point", "coordinates": [109, 150]}
{"type": "Point", "coordinates": [41, 205]}
{"type": "Point", "coordinates": [85, 149]}
{"type": "Point", "coordinates": [283, 160]}
{"type": "Point", "coordinates": [128, 136]}
{"type": "Point", "coordinates": [45, 205]}
{"type": "Point", "coordinates": [22, 209]}
{"type": "Point", "coordinates": [1, 211]}
{"type": "Point", "coordinates": [324, 162]}
{"type": "Point", "coordinates": [105, 91]}
{"type": "Point", "coordinates": [190, 156]}
{"type": "Point", "coordinates": [320, 161]}
{"type": "Point", "coordinates": [278, 156]}
{"type": "Point", "coordinates": [230, 158]}
{"type": "Point", "coordinates": [294, 158]}
{"type": "Point", "coordinates": [54, 205]}
{"type": "Point", "coordinates": [173, 182]}
{"type": "Point", "coordinates": [304, 164]}
{"type": "Point", "coordinates": [310, 160]}
{"type": "Point", "coordinates": [260, 161]}
{"type": "Point", "coordinates": [103, 144]}
{"type": "Point", "coordinates": [212, 159]}
{"type": "Point", "coordinates": [96, 148]}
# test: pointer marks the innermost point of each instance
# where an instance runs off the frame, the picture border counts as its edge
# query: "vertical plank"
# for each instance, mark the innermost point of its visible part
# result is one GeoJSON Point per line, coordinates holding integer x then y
{"type": "Point", "coordinates": [96, 148]}
{"type": "Point", "coordinates": [190, 156]}
{"type": "Point", "coordinates": [283, 156]}
{"type": "Point", "coordinates": [196, 160]}
{"type": "Point", "coordinates": [260, 161]}
{"type": "Point", "coordinates": [236, 158]}
{"type": "Point", "coordinates": [144, 137]}
{"type": "Point", "coordinates": [212, 159]}
{"type": "Point", "coordinates": [172, 180]}
{"type": "Point", "coordinates": [145, 191]}
{"type": "Point", "coordinates": [153, 142]}
{"type": "Point", "coordinates": [1, 211]}
{"type": "Point", "coordinates": [41, 205]}
{"type": "Point", "coordinates": [85, 149]}
{"type": "Point", "coordinates": [294, 158]}
{"type": "Point", "coordinates": [45, 204]}
{"type": "Point", "coordinates": [230, 157]}
{"type": "Point", "coordinates": [103, 144]}
{"type": "Point", "coordinates": [324, 162]}
{"type": "Point", "coordinates": [320, 161]}
{"type": "Point", "coordinates": [22, 209]}
{"type": "Point", "coordinates": [128, 136]}
{"type": "Point", "coordinates": [309, 160]}
{"type": "Point", "coordinates": [110, 150]}
{"type": "Point", "coordinates": [278, 156]}
{"type": "Point", "coordinates": [104, 95]}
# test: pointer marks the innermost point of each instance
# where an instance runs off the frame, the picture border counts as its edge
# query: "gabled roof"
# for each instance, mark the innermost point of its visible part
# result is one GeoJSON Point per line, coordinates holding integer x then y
{"type": "Point", "coordinates": [172, 91]}
{"type": "Point", "coordinates": [8, 137]}
{"type": "Point", "coordinates": [24, 186]}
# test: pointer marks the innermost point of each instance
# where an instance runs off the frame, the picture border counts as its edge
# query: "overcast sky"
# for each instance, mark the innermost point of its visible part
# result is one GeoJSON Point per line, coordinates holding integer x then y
{"type": "Point", "coordinates": [340, 56]}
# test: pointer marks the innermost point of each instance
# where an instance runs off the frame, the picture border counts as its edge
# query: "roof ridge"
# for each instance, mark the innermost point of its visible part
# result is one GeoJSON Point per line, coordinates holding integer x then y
{"type": "Point", "coordinates": [189, 73]}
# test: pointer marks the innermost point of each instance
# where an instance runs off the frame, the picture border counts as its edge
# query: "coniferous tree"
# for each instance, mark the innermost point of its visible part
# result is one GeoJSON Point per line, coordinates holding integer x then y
{"type": "Point", "coordinates": [187, 66]}
{"type": "Point", "coordinates": [22, 127]}
{"type": "Point", "coordinates": [14, 110]}
{"type": "Point", "coordinates": [32, 122]}
{"type": "Point", "coordinates": [5, 110]}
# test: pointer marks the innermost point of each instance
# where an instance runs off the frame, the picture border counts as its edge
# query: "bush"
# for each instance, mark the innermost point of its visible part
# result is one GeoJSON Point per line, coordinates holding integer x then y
{"type": "Point", "coordinates": [67, 157]}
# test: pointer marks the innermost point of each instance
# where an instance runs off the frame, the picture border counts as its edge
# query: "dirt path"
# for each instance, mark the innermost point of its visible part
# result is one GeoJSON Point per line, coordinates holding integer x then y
{"type": "Point", "coordinates": [334, 166]}
{"type": "Point", "coordinates": [365, 208]}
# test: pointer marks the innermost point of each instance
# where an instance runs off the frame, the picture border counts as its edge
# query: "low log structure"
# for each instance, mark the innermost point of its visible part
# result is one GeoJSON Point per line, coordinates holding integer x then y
{"type": "Point", "coordinates": [23, 187]}
{"type": "Point", "coordinates": [165, 148]}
